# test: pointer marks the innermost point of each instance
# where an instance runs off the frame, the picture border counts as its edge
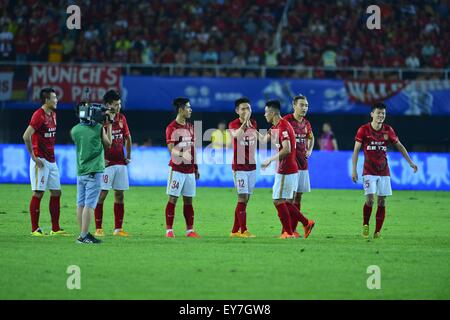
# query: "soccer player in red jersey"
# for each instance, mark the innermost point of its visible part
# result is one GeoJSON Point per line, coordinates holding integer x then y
{"type": "Point", "coordinates": [304, 145]}
{"type": "Point", "coordinates": [183, 171]}
{"type": "Point", "coordinates": [374, 137]}
{"type": "Point", "coordinates": [40, 139]}
{"type": "Point", "coordinates": [243, 131]}
{"type": "Point", "coordinates": [115, 175]}
{"type": "Point", "coordinates": [283, 136]}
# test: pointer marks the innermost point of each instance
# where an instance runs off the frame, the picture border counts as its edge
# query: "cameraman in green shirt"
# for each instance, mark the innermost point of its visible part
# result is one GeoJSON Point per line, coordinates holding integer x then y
{"type": "Point", "coordinates": [90, 139]}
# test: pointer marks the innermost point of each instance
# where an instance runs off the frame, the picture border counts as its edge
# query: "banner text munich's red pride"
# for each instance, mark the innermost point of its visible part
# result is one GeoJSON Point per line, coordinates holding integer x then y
{"type": "Point", "coordinates": [71, 80]}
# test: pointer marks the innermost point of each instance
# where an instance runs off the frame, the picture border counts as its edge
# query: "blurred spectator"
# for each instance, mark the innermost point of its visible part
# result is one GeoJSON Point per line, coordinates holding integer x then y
{"type": "Point", "coordinates": [412, 61]}
{"type": "Point", "coordinates": [318, 33]}
{"type": "Point", "coordinates": [55, 51]}
{"type": "Point", "coordinates": [68, 44]}
{"type": "Point", "coordinates": [329, 58]}
{"type": "Point", "coordinates": [21, 45]}
{"type": "Point", "coordinates": [226, 54]}
{"type": "Point", "coordinates": [221, 138]}
{"type": "Point", "coordinates": [6, 43]}
{"type": "Point", "coordinates": [327, 141]}
{"type": "Point", "coordinates": [148, 143]}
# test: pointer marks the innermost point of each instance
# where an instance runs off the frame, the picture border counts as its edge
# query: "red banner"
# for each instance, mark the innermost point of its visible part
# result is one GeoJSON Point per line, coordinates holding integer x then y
{"type": "Point", "coordinates": [371, 91]}
{"type": "Point", "coordinates": [70, 81]}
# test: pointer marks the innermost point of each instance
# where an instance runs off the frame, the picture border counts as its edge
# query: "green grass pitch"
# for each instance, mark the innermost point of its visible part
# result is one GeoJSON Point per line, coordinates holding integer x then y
{"type": "Point", "coordinates": [414, 256]}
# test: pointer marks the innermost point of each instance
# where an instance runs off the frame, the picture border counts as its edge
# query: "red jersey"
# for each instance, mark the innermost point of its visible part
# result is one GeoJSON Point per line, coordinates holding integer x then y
{"type": "Point", "coordinates": [374, 144]}
{"type": "Point", "coordinates": [303, 132]}
{"type": "Point", "coordinates": [44, 137]}
{"type": "Point", "coordinates": [244, 147]}
{"type": "Point", "coordinates": [115, 155]}
{"type": "Point", "coordinates": [279, 133]}
{"type": "Point", "coordinates": [182, 137]}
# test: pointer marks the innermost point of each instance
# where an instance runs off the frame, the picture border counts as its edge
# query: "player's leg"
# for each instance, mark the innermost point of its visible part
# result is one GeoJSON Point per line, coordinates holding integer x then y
{"type": "Point", "coordinates": [381, 212]}
{"type": "Point", "coordinates": [175, 183]}
{"type": "Point", "coordinates": [242, 184]}
{"type": "Point", "coordinates": [303, 186]}
{"type": "Point", "coordinates": [280, 204]}
{"type": "Point", "coordinates": [38, 181]}
{"type": "Point", "coordinates": [98, 212]}
{"type": "Point", "coordinates": [54, 185]}
{"type": "Point", "coordinates": [119, 211]}
{"type": "Point", "coordinates": [370, 188]}
{"type": "Point", "coordinates": [188, 192]}
{"type": "Point", "coordinates": [291, 185]}
{"type": "Point", "coordinates": [384, 190]}
{"type": "Point", "coordinates": [120, 184]}
{"type": "Point", "coordinates": [106, 185]}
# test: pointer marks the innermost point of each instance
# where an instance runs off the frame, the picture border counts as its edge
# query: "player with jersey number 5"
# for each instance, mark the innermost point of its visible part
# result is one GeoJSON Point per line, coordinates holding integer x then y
{"type": "Point", "coordinates": [374, 137]}
{"type": "Point", "coordinates": [116, 172]}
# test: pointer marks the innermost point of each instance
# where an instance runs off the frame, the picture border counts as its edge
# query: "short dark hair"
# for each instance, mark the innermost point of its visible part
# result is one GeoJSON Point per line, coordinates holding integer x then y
{"type": "Point", "coordinates": [45, 94]}
{"type": "Point", "coordinates": [180, 102]}
{"type": "Point", "coordinates": [241, 100]}
{"type": "Point", "coordinates": [110, 96]}
{"type": "Point", "coordinates": [275, 104]}
{"type": "Point", "coordinates": [298, 97]}
{"type": "Point", "coordinates": [379, 105]}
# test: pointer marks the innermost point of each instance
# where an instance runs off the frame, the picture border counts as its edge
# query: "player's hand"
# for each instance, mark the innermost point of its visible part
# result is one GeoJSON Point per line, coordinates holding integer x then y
{"type": "Point", "coordinates": [354, 176]}
{"type": "Point", "coordinates": [39, 162]}
{"type": "Point", "coordinates": [110, 114]}
{"type": "Point", "coordinates": [106, 162]}
{"type": "Point", "coordinates": [197, 175]}
{"type": "Point", "coordinates": [186, 156]}
{"type": "Point", "coordinates": [265, 163]}
{"type": "Point", "coordinates": [127, 161]}
{"type": "Point", "coordinates": [413, 165]}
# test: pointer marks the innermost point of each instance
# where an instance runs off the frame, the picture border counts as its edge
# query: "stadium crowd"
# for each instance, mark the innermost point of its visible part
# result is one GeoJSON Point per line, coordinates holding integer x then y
{"type": "Point", "coordinates": [413, 33]}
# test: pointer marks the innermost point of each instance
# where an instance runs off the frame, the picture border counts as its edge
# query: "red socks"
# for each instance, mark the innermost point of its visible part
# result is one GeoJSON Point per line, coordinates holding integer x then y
{"type": "Point", "coordinates": [170, 213]}
{"type": "Point", "coordinates": [283, 214]}
{"type": "Point", "coordinates": [297, 214]}
{"type": "Point", "coordinates": [367, 211]}
{"type": "Point", "coordinates": [236, 224]}
{"type": "Point", "coordinates": [55, 212]}
{"type": "Point", "coordinates": [34, 212]}
{"type": "Point", "coordinates": [240, 217]}
{"type": "Point", "coordinates": [188, 211]}
{"type": "Point", "coordinates": [98, 213]}
{"type": "Point", "coordinates": [381, 211]}
{"type": "Point", "coordinates": [119, 212]}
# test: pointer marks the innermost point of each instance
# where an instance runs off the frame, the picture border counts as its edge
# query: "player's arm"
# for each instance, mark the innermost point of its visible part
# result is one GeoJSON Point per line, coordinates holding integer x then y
{"type": "Point", "coordinates": [128, 144]}
{"type": "Point", "coordinates": [179, 153]}
{"type": "Point", "coordinates": [311, 141]}
{"type": "Point", "coordinates": [263, 137]}
{"type": "Point", "coordinates": [405, 155]}
{"type": "Point", "coordinates": [280, 155]}
{"type": "Point", "coordinates": [235, 133]}
{"type": "Point", "coordinates": [355, 160]}
{"type": "Point", "coordinates": [27, 139]}
{"type": "Point", "coordinates": [107, 134]}
{"type": "Point", "coordinates": [334, 141]}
